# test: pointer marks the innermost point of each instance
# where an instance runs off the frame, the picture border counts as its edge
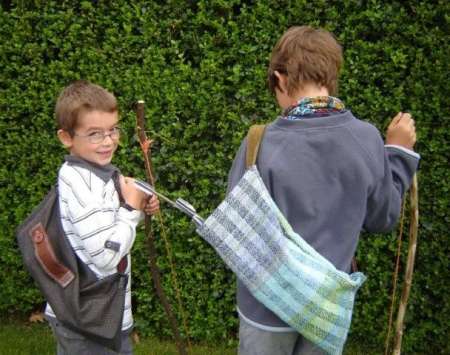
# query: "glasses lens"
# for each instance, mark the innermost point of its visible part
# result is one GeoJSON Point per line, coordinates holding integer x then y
{"type": "Point", "coordinates": [115, 133]}
{"type": "Point", "coordinates": [96, 137]}
{"type": "Point", "coordinates": [99, 137]}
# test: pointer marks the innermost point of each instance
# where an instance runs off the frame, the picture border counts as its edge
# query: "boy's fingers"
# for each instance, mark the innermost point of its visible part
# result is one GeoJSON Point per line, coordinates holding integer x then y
{"type": "Point", "coordinates": [153, 200]}
{"type": "Point", "coordinates": [396, 119]}
{"type": "Point", "coordinates": [406, 118]}
{"type": "Point", "coordinates": [408, 121]}
{"type": "Point", "coordinates": [406, 115]}
{"type": "Point", "coordinates": [153, 204]}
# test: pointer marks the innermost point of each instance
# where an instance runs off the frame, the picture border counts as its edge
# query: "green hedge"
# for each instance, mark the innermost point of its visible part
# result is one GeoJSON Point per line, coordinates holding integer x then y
{"type": "Point", "coordinates": [200, 66]}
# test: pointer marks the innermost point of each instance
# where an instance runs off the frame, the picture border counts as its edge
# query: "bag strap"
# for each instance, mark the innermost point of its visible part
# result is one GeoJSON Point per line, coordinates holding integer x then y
{"type": "Point", "coordinates": [123, 263]}
{"type": "Point", "coordinates": [254, 137]}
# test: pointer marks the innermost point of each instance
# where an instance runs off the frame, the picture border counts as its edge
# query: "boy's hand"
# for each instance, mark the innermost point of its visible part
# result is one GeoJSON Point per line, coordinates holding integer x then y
{"type": "Point", "coordinates": [152, 205]}
{"type": "Point", "coordinates": [132, 195]}
{"type": "Point", "coordinates": [402, 131]}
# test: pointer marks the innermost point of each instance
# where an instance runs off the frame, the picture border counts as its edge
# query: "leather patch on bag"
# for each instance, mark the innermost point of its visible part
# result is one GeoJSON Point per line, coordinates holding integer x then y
{"type": "Point", "coordinates": [45, 254]}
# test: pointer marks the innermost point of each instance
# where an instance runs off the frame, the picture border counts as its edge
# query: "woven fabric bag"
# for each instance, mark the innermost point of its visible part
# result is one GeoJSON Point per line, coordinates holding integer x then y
{"type": "Point", "coordinates": [280, 268]}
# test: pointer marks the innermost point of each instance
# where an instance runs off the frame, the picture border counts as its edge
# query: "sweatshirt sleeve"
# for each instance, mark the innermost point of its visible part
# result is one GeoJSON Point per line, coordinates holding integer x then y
{"type": "Point", "coordinates": [385, 198]}
{"type": "Point", "coordinates": [96, 223]}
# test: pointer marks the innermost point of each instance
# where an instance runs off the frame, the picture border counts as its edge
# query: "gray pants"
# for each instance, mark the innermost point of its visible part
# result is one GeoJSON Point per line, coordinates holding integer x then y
{"type": "Point", "coordinates": [255, 341]}
{"type": "Point", "coordinates": [72, 343]}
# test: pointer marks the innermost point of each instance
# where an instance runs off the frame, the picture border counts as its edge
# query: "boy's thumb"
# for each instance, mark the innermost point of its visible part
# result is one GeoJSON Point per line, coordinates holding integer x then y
{"type": "Point", "coordinates": [122, 181]}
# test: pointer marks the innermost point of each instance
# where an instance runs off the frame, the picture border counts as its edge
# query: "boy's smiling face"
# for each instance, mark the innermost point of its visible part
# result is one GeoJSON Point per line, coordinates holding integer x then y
{"type": "Point", "coordinates": [88, 124]}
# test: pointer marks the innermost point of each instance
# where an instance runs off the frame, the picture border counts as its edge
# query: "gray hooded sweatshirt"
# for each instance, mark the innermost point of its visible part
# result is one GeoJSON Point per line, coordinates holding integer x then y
{"type": "Point", "coordinates": [331, 177]}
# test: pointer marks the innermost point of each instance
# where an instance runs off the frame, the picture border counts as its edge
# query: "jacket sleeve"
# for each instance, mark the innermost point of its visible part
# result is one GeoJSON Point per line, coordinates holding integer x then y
{"type": "Point", "coordinates": [98, 225]}
{"type": "Point", "coordinates": [385, 198]}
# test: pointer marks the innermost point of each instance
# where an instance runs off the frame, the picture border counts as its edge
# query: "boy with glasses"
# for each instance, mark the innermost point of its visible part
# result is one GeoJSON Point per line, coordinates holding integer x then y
{"type": "Point", "coordinates": [99, 207]}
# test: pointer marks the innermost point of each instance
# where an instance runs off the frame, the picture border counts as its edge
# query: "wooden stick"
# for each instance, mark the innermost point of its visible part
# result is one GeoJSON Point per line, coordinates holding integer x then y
{"type": "Point", "coordinates": [156, 276]}
{"type": "Point", "coordinates": [395, 277]}
{"type": "Point", "coordinates": [413, 231]}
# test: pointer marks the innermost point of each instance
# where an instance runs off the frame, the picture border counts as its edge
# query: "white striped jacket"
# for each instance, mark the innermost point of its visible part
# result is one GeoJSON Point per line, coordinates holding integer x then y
{"type": "Point", "coordinates": [99, 230]}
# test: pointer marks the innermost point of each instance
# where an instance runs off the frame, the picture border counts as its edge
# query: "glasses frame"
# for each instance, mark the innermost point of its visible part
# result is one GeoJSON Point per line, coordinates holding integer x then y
{"type": "Point", "coordinates": [98, 137]}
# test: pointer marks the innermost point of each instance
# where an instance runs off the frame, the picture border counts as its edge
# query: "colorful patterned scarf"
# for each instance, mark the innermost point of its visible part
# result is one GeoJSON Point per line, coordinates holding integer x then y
{"type": "Point", "coordinates": [314, 106]}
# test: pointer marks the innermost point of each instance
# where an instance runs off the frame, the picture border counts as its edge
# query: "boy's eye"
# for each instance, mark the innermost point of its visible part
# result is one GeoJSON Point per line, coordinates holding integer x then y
{"type": "Point", "coordinates": [96, 134]}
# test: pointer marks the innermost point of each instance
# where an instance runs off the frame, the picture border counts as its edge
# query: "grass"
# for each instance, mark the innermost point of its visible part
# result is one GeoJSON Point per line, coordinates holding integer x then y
{"type": "Point", "coordinates": [23, 338]}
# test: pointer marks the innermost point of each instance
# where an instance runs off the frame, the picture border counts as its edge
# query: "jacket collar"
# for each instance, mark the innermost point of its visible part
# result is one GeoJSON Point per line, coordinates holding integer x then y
{"type": "Point", "coordinates": [104, 172]}
{"type": "Point", "coordinates": [334, 120]}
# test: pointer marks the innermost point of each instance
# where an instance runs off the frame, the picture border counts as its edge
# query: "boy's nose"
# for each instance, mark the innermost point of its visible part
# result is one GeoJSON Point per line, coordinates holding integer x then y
{"type": "Point", "coordinates": [108, 140]}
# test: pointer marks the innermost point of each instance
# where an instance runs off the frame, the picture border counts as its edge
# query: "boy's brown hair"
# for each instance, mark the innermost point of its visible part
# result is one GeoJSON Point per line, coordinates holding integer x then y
{"type": "Point", "coordinates": [306, 55]}
{"type": "Point", "coordinates": [80, 97]}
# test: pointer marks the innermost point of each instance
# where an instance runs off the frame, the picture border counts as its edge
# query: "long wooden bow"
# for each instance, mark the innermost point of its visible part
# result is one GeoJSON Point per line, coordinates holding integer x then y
{"type": "Point", "coordinates": [413, 232]}
{"type": "Point", "coordinates": [145, 144]}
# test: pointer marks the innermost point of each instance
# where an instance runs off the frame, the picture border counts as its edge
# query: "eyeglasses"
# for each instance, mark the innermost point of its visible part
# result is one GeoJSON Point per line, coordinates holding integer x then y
{"type": "Point", "coordinates": [97, 137]}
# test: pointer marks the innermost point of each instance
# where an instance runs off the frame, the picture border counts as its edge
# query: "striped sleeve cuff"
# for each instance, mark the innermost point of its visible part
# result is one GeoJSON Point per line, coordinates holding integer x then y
{"type": "Point", "coordinates": [405, 150]}
{"type": "Point", "coordinates": [134, 216]}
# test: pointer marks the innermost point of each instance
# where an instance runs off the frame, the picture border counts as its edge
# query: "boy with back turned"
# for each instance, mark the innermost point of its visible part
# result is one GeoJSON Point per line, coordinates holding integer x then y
{"type": "Point", "coordinates": [330, 174]}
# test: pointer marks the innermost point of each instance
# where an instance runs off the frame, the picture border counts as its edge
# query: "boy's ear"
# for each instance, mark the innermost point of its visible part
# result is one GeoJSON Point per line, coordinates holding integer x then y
{"type": "Point", "coordinates": [65, 138]}
{"type": "Point", "coordinates": [282, 81]}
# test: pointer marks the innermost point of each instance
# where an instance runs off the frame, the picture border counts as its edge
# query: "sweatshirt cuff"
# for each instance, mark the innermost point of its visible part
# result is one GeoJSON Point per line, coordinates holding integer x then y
{"type": "Point", "coordinates": [406, 150]}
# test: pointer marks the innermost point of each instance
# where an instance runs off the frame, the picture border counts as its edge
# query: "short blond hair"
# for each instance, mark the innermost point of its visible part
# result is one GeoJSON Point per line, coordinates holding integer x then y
{"type": "Point", "coordinates": [306, 55]}
{"type": "Point", "coordinates": [79, 97]}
